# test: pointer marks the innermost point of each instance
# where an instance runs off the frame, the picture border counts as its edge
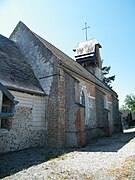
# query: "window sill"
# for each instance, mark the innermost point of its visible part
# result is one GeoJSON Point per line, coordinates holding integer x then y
{"type": "Point", "coordinates": [3, 131]}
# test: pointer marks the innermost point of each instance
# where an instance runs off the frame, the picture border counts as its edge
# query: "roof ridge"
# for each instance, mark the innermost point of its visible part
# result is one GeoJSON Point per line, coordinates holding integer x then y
{"type": "Point", "coordinates": [14, 70]}
{"type": "Point", "coordinates": [72, 64]}
{"type": "Point", "coordinates": [70, 59]}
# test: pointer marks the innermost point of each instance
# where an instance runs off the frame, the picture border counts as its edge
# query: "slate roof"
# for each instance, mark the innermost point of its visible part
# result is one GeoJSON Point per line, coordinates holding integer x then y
{"type": "Point", "coordinates": [68, 62]}
{"type": "Point", "coordinates": [15, 73]}
{"type": "Point", "coordinates": [73, 65]}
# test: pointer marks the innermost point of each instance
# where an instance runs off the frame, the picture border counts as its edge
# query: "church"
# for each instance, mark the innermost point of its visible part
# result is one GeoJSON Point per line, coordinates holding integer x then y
{"type": "Point", "coordinates": [48, 99]}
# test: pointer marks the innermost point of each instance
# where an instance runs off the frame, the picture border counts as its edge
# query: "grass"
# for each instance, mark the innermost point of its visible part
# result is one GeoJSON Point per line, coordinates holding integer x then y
{"type": "Point", "coordinates": [125, 171]}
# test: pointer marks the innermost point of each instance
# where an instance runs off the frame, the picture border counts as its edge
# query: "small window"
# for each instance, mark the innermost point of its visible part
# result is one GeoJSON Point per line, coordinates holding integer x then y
{"type": "Point", "coordinates": [3, 124]}
{"type": "Point", "coordinates": [82, 99]}
{"type": "Point", "coordinates": [7, 105]}
{"type": "Point", "coordinates": [1, 98]}
{"type": "Point", "coordinates": [5, 108]}
{"type": "Point", "coordinates": [105, 102]}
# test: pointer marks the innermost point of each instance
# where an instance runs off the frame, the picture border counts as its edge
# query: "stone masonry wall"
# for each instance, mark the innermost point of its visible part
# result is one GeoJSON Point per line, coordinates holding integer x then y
{"type": "Point", "coordinates": [90, 110]}
{"type": "Point", "coordinates": [99, 111]}
{"type": "Point", "coordinates": [116, 117]}
{"type": "Point", "coordinates": [74, 87]}
{"type": "Point", "coordinates": [29, 127]}
{"type": "Point", "coordinates": [71, 110]}
{"type": "Point", "coordinates": [64, 91]}
{"type": "Point", "coordinates": [110, 118]}
{"type": "Point", "coordinates": [1, 96]}
{"type": "Point", "coordinates": [45, 66]}
{"type": "Point", "coordinates": [62, 110]}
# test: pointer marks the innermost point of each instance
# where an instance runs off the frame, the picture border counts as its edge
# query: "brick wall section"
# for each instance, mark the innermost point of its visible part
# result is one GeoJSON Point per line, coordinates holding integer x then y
{"type": "Point", "coordinates": [1, 97]}
{"type": "Point", "coordinates": [61, 107]}
{"type": "Point", "coordinates": [91, 127]}
{"type": "Point", "coordinates": [71, 110]}
{"type": "Point", "coordinates": [28, 124]}
{"type": "Point", "coordinates": [80, 127]}
{"type": "Point", "coordinates": [53, 114]}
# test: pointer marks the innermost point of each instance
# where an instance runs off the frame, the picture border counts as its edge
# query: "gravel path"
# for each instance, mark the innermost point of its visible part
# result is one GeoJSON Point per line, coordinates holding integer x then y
{"type": "Point", "coordinates": [107, 158]}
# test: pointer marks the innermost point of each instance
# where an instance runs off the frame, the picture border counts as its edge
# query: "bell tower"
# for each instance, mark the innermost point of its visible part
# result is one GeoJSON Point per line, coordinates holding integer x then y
{"type": "Point", "coordinates": [87, 54]}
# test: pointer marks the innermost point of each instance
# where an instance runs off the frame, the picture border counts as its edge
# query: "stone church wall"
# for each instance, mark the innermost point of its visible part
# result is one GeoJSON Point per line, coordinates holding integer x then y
{"type": "Point", "coordinates": [99, 112]}
{"type": "Point", "coordinates": [63, 89]}
{"type": "Point", "coordinates": [46, 69]}
{"type": "Point", "coordinates": [71, 100]}
{"type": "Point", "coordinates": [116, 116]}
{"type": "Point", "coordinates": [74, 86]}
{"type": "Point", "coordinates": [28, 127]}
{"type": "Point", "coordinates": [42, 61]}
{"type": "Point", "coordinates": [110, 117]}
{"type": "Point", "coordinates": [90, 110]}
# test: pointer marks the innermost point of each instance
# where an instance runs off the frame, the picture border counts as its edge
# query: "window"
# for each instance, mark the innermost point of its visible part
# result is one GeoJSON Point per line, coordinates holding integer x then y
{"type": "Point", "coordinates": [7, 104]}
{"type": "Point", "coordinates": [82, 101]}
{"type": "Point", "coordinates": [6, 109]}
{"type": "Point", "coordinates": [105, 102]}
{"type": "Point", "coordinates": [1, 97]}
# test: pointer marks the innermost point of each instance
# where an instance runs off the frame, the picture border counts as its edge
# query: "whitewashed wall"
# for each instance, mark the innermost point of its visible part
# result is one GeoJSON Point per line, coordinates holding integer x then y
{"type": "Point", "coordinates": [36, 104]}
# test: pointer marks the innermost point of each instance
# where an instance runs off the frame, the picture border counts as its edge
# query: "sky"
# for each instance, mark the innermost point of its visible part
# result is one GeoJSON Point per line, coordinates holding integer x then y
{"type": "Point", "coordinates": [112, 23]}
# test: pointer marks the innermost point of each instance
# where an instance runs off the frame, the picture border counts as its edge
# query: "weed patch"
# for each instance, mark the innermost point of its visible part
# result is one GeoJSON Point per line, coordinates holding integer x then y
{"type": "Point", "coordinates": [125, 171]}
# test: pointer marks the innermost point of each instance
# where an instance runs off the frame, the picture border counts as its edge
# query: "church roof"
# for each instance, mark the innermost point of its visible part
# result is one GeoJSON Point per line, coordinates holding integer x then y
{"type": "Point", "coordinates": [15, 73]}
{"type": "Point", "coordinates": [71, 64]}
{"type": "Point", "coordinates": [66, 61]}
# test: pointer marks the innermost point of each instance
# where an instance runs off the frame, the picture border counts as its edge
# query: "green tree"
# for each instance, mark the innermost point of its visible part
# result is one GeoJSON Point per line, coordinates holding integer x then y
{"type": "Point", "coordinates": [107, 80]}
{"type": "Point", "coordinates": [129, 103]}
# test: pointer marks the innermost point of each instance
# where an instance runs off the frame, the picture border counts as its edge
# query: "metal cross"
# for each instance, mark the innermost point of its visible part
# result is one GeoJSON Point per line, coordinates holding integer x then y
{"type": "Point", "coordinates": [85, 28]}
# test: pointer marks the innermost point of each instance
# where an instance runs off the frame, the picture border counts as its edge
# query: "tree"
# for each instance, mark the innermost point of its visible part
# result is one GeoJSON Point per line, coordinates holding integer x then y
{"type": "Point", "coordinates": [129, 103]}
{"type": "Point", "coordinates": [107, 80]}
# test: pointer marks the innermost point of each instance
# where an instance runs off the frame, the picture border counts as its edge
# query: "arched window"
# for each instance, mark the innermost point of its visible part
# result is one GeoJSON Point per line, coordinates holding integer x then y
{"type": "Point", "coordinates": [82, 99]}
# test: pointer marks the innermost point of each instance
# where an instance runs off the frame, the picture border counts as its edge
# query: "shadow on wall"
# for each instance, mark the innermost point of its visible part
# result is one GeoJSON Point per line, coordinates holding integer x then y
{"type": "Point", "coordinates": [14, 162]}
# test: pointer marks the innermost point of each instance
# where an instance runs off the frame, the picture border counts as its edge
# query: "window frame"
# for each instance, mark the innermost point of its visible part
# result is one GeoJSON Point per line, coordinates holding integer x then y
{"type": "Point", "coordinates": [6, 100]}
{"type": "Point", "coordinates": [82, 99]}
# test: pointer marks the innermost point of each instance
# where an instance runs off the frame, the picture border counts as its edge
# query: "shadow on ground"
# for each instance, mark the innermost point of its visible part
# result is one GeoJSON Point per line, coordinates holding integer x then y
{"type": "Point", "coordinates": [14, 162]}
{"type": "Point", "coordinates": [110, 144]}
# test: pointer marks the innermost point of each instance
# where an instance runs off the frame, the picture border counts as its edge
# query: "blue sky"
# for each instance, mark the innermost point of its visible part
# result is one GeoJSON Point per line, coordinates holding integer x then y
{"type": "Point", "coordinates": [112, 23]}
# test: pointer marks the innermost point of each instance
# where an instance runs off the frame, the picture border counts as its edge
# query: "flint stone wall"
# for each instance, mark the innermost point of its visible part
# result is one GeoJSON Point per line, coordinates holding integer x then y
{"type": "Point", "coordinates": [28, 124]}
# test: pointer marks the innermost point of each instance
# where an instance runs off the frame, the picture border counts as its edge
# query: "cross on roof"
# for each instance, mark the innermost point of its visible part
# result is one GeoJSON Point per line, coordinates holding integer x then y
{"type": "Point", "coordinates": [85, 28]}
